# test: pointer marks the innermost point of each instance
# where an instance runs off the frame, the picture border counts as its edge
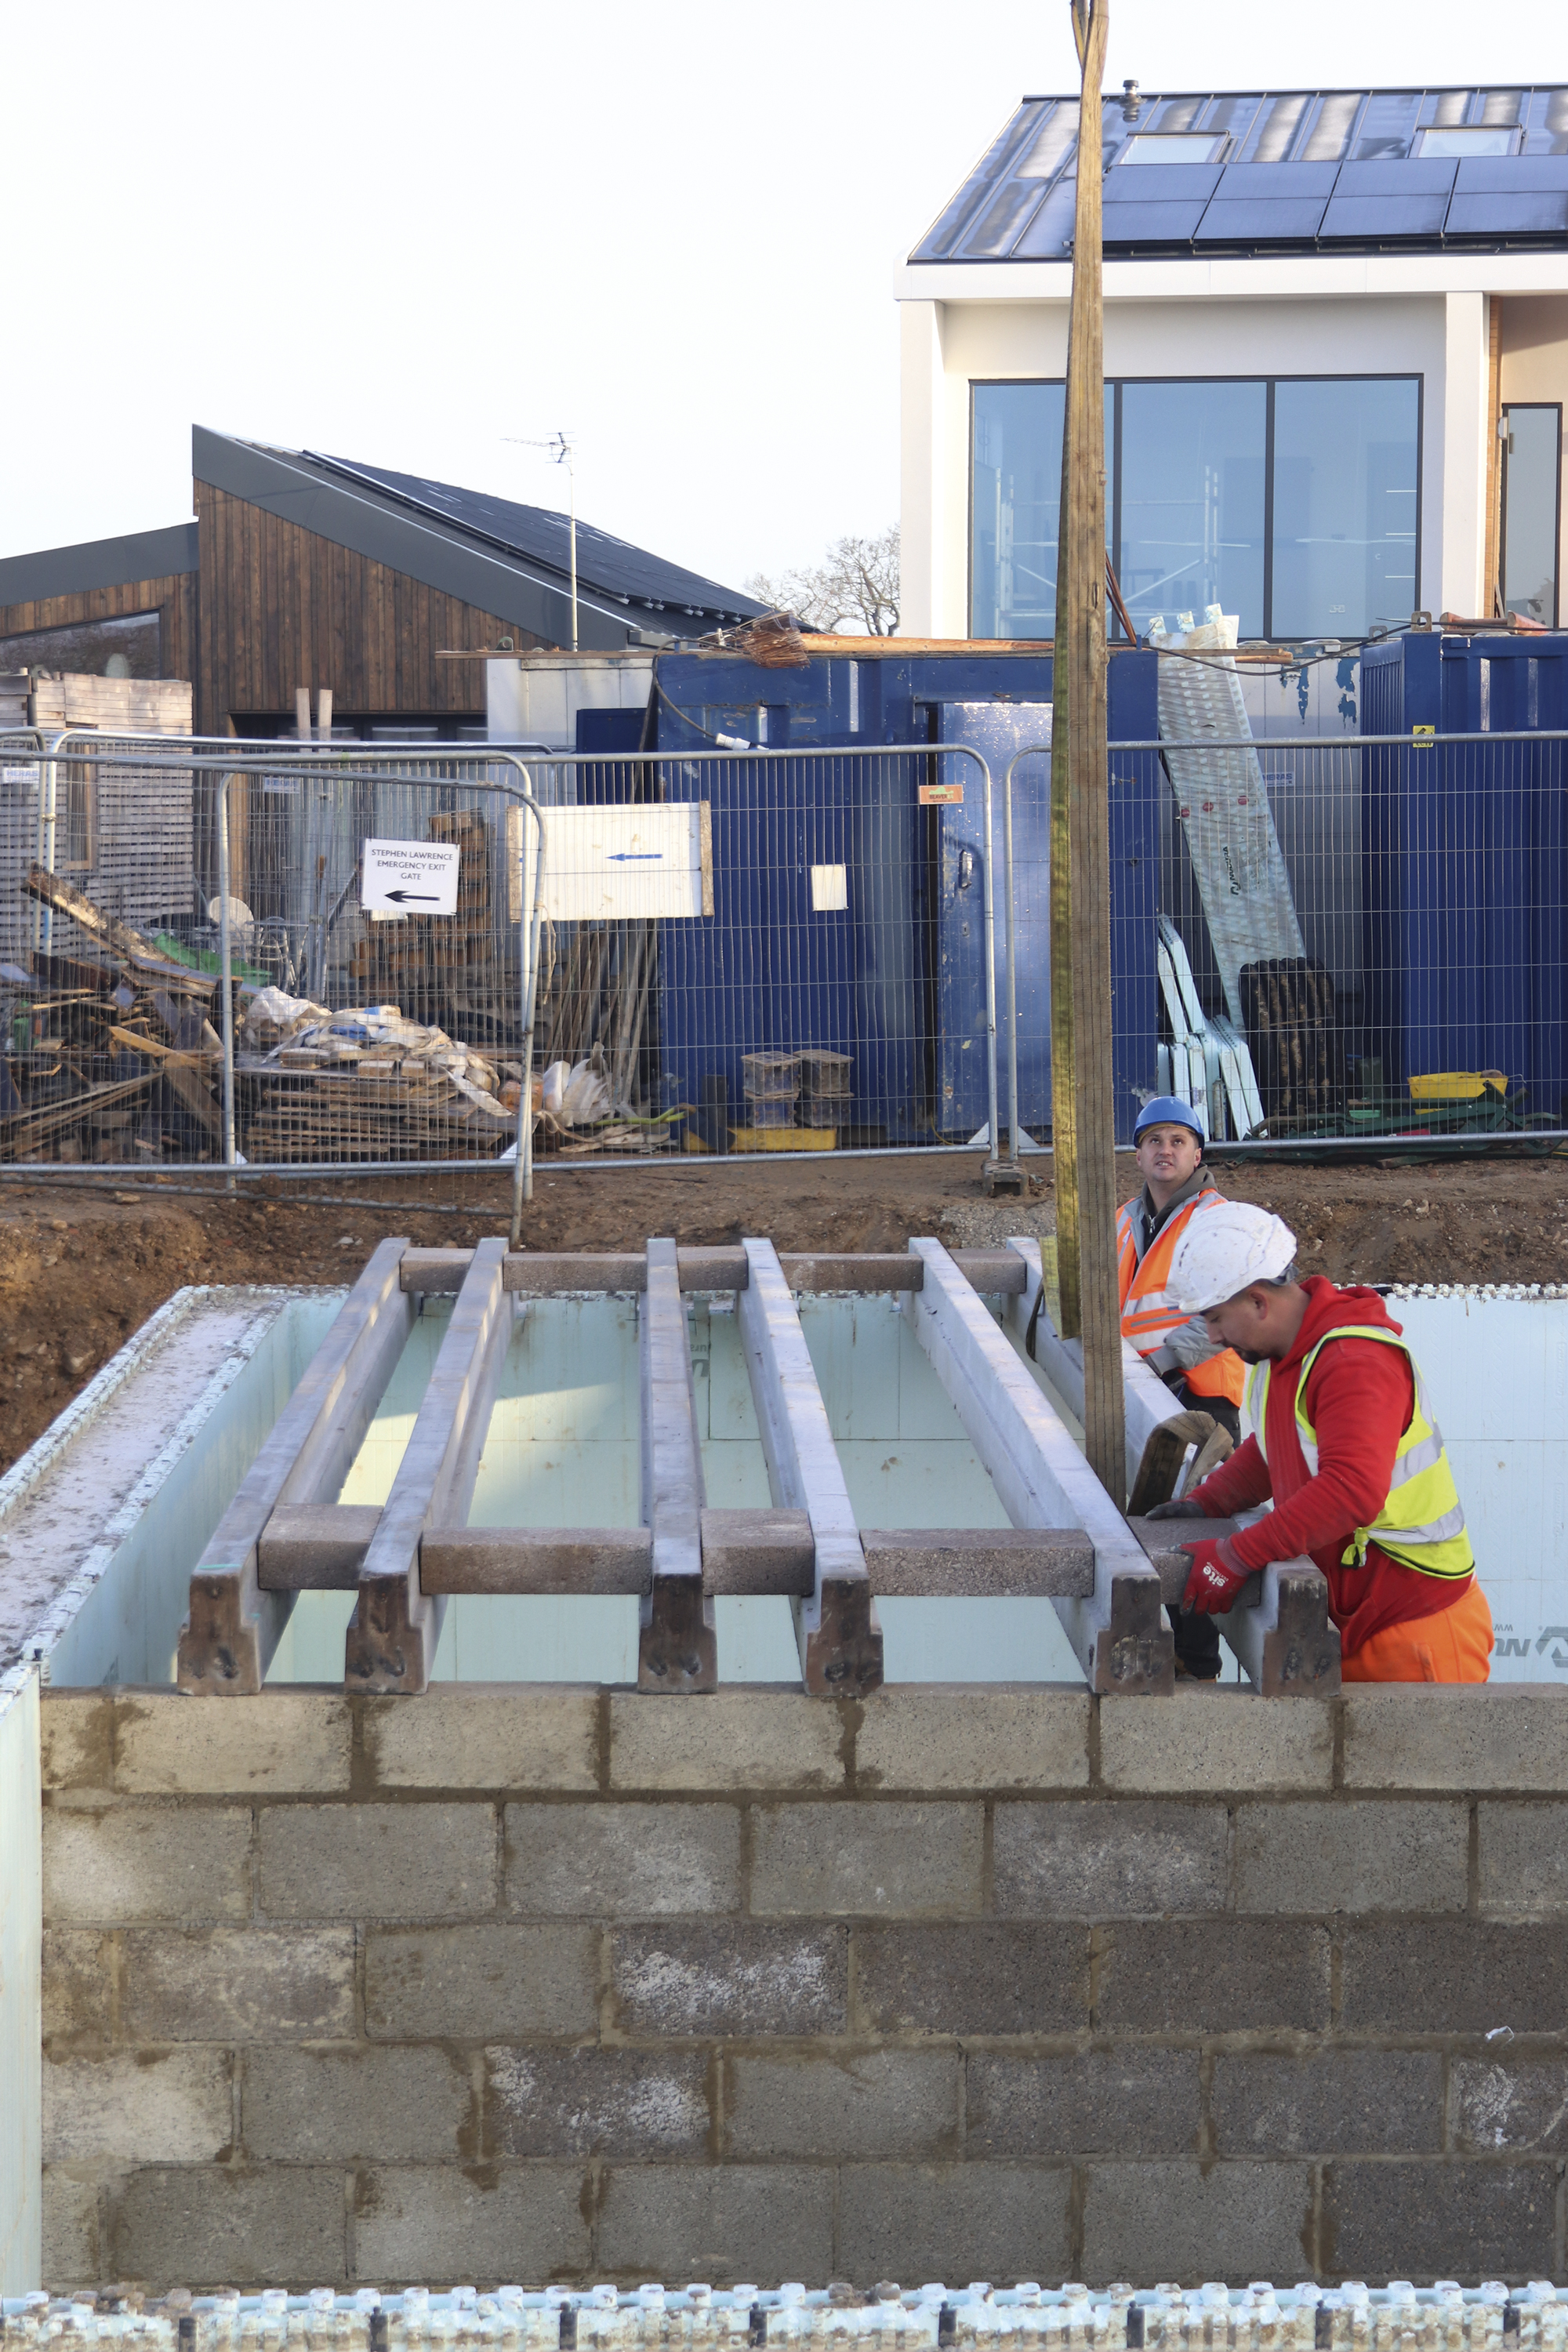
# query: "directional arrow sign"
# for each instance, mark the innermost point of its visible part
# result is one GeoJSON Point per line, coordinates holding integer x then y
{"type": "Point", "coordinates": [410, 877]}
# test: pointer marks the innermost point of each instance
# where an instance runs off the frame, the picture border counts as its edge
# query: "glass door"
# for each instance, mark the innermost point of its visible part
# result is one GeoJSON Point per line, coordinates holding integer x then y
{"type": "Point", "coordinates": [1532, 509]}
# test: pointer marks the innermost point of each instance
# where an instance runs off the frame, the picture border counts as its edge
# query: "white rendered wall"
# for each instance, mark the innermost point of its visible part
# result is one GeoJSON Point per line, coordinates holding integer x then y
{"type": "Point", "coordinates": [1440, 337]}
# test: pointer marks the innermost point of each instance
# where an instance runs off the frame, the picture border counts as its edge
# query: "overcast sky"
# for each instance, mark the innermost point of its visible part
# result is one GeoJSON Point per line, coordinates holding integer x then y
{"type": "Point", "coordinates": [405, 234]}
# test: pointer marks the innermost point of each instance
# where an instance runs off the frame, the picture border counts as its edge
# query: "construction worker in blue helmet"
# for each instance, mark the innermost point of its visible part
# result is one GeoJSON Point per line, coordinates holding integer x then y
{"type": "Point", "coordinates": [1177, 1189]}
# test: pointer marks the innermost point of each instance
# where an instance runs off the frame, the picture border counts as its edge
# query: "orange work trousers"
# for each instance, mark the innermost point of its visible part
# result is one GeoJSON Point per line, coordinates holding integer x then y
{"type": "Point", "coordinates": [1452, 1646]}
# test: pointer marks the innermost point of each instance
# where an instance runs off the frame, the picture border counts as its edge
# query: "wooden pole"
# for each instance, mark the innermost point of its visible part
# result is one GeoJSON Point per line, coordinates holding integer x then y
{"type": "Point", "coordinates": [1082, 1110]}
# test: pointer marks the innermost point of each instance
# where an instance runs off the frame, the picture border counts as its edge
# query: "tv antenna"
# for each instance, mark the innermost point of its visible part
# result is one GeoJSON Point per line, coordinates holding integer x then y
{"type": "Point", "coordinates": [562, 447]}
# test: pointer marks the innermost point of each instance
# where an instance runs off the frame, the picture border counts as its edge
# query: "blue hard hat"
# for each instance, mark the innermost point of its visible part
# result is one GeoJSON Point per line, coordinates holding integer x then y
{"type": "Point", "coordinates": [1168, 1110]}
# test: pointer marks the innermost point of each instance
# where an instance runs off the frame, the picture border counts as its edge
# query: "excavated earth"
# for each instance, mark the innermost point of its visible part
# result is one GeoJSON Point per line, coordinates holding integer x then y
{"type": "Point", "coordinates": [83, 1267]}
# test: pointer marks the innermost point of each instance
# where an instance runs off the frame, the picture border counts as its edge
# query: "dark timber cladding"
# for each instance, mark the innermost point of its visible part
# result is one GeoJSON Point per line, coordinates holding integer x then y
{"type": "Point", "coordinates": [284, 607]}
{"type": "Point", "coordinates": [108, 579]}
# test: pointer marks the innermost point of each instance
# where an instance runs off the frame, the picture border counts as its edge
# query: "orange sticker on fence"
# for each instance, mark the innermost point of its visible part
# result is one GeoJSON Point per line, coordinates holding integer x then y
{"type": "Point", "coordinates": [936, 795]}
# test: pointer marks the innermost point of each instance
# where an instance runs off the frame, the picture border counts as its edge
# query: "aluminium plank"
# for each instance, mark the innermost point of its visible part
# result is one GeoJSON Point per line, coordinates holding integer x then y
{"type": "Point", "coordinates": [233, 1628]}
{"type": "Point", "coordinates": [837, 1627]}
{"type": "Point", "coordinates": [677, 1644]}
{"type": "Point", "coordinates": [393, 1634]}
{"type": "Point", "coordinates": [1044, 1481]}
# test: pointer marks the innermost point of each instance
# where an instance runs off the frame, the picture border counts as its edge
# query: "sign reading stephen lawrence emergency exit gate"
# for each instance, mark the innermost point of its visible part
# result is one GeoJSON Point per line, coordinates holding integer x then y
{"type": "Point", "coordinates": [410, 877]}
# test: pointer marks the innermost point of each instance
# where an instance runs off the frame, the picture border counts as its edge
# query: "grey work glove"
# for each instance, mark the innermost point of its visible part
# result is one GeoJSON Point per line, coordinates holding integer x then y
{"type": "Point", "coordinates": [1185, 1509]}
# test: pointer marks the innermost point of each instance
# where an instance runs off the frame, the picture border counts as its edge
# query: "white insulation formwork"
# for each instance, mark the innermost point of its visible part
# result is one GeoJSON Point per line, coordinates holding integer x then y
{"type": "Point", "coordinates": [1399, 2318]}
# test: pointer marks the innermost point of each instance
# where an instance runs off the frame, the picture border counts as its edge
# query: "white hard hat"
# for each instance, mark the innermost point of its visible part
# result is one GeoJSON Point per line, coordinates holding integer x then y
{"type": "Point", "coordinates": [1224, 1249]}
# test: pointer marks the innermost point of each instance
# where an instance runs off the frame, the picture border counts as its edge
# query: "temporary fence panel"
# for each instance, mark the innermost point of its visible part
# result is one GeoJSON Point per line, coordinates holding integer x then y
{"type": "Point", "coordinates": [119, 830]}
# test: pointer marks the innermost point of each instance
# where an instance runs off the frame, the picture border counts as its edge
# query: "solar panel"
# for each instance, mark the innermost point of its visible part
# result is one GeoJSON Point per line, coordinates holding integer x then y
{"type": "Point", "coordinates": [1295, 188]}
{"type": "Point", "coordinates": [1390, 200]}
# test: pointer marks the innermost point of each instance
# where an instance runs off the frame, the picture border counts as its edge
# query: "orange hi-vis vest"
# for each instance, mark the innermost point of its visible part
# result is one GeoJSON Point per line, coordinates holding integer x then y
{"type": "Point", "coordinates": [1150, 1314]}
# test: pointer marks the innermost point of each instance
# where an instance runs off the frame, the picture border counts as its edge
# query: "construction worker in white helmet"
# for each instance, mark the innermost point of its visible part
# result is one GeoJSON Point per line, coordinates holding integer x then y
{"type": "Point", "coordinates": [1168, 1141]}
{"type": "Point", "coordinates": [1343, 1439]}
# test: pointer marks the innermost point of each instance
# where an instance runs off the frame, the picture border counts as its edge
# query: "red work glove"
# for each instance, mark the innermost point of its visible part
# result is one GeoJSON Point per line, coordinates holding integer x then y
{"type": "Point", "coordinates": [1218, 1577]}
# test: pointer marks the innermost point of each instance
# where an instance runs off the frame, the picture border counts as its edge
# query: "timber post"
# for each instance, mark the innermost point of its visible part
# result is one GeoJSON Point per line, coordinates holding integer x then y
{"type": "Point", "coordinates": [1082, 1107]}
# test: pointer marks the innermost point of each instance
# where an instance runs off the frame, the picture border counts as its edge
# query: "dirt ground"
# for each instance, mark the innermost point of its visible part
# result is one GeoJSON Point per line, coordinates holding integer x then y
{"type": "Point", "coordinates": [81, 1268]}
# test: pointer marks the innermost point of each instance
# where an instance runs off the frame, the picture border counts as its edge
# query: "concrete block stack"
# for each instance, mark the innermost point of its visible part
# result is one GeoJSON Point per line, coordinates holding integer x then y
{"type": "Point", "coordinates": [554, 1983]}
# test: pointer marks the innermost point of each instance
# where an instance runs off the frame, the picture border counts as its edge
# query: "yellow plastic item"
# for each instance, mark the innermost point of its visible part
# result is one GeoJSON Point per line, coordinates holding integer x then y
{"type": "Point", "coordinates": [784, 1138]}
{"type": "Point", "coordinates": [1456, 1085]}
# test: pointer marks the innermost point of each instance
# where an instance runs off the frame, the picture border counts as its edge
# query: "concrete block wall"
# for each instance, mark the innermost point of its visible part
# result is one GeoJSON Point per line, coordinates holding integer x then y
{"type": "Point", "coordinates": [545, 1984]}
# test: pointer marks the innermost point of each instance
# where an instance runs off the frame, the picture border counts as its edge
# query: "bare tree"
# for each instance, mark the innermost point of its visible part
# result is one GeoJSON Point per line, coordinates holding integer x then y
{"type": "Point", "coordinates": [856, 583]}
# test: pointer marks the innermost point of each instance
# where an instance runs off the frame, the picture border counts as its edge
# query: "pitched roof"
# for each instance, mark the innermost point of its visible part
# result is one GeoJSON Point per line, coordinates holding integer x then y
{"type": "Point", "coordinates": [1270, 172]}
{"type": "Point", "coordinates": [511, 561]}
{"type": "Point", "coordinates": [98, 564]}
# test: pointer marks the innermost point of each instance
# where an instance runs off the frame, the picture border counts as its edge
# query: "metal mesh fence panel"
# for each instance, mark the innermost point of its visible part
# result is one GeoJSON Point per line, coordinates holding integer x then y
{"type": "Point", "coordinates": [742, 952]}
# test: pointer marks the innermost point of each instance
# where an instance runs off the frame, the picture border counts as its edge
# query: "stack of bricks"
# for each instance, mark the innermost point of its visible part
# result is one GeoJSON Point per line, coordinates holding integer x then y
{"type": "Point", "coordinates": [552, 1983]}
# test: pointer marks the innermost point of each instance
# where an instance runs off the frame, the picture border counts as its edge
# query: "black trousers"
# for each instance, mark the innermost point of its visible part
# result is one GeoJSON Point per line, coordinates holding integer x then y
{"type": "Point", "coordinates": [1198, 1636]}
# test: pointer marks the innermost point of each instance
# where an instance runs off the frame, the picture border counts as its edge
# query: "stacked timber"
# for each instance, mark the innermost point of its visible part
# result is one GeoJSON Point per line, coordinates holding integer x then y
{"type": "Point", "coordinates": [377, 1108]}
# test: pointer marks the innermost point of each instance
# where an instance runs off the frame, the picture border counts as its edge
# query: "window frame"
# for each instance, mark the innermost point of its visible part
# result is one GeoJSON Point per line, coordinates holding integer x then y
{"type": "Point", "coordinates": [1305, 375]}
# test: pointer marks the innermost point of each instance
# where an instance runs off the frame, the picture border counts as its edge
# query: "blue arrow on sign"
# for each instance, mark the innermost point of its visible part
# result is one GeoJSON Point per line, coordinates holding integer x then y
{"type": "Point", "coordinates": [633, 856]}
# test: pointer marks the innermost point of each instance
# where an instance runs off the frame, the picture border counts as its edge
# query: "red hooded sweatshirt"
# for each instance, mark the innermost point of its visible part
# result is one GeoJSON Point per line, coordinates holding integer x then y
{"type": "Point", "coordinates": [1360, 1398]}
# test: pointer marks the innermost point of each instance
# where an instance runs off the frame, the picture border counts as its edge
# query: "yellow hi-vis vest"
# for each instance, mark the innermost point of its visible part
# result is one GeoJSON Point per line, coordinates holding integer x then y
{"type": "Point", "coordinates": [1421, 1522]}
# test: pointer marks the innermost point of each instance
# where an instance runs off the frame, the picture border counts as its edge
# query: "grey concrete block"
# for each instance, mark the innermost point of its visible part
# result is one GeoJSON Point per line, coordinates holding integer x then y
{"type": "Point", "coordinates": [979, 1977]}
{"type": "Point", "coordinates": [595, 2102]}
{"type": "Point", "coordinates": [1328, 2102]}
{"type": "Point", "coordinates": [165, 2106]}
{"type": "Point", "coordinates": [1190, 2221]}
{"type": "Point", "coordinates": [1129, 2101]}
{"type": "Point", "coordinates": [733, 1977]}
{"type": "Point", "coordinates": [325, 2106]}
{"type": "Point", "coordinates": [492, 1981]}
{"type": "Point", "coordinates": [622, 1862]}
{"type": "Point", "coordinates": [1368, 1855]}
{"type": "Point", "coordinates": [1438, 2220]}
{"type": "Point", "coordinates": [70, 2248]}
{"type": "Point", "coordinates": [282, 1743]}
{"type": "Point", "coordinates": [78, 1986]}
{"type": "Point", "coordinates": [376, 1862]}
{"type": "Point", "coordinates": [146, 1862]}
{"type": "Point", "coordinates": [926, 1739]}
{"type": "Point", "coordinates": [1452, 1976]}
{"type": "Point", "coordinates": [1501, 2108]}
{"type": "Point", "coordinates": [738, 1739]}
{"type": "Point", "coordinates": [952, 2222]}
{"type": "Point", "coordinates": [1524, 1859]}
{"type": "Point", "coordinates": [884, 2102]}
{"type": "Point", "coordinates": [1214, 1737]}
{"type": "Point", "coordinates": [76, 1741]}
{"type": "Point", "coordinates": [235, 1984]}
{"type": "Point", "coordinates": [1224, 1975]}
{"type": "Point", "coordinates": [1098, 1861]}
{"type": "Point", "coordinates": [472, 1735]}
{"type": "Point", "coordinates": [920, 1862]}
{"type": "Point", "coordinates": [438, 2226]}
{"type": "Point", "coordinates": [1457, 1736]}
{"type": "Point", "coordinates": [719, 2222]}
{"type": "Point", "coordinates": [204, 2226]}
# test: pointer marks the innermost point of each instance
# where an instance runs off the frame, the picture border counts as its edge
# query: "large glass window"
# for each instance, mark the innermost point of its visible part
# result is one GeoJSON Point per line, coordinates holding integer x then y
{"type": "Point", "coordinates": [1344, 505]}
{"type": "Point", "coordinates": [1292, 503]}
{"type": "Point", "coordinates": [1189, 522]}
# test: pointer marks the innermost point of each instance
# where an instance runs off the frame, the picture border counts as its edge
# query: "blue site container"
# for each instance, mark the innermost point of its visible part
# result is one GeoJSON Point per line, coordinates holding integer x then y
{"type": "Point", "coordinates": [1465, 859]}
{"type": "Point", "coordinates": [896, 978]}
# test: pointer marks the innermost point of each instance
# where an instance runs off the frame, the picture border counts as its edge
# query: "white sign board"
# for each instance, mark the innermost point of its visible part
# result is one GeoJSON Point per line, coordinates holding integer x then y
{"type": "Point", "coordinates": [410, 877]}
{"type": "Point", "coordinates": [631, 861]}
